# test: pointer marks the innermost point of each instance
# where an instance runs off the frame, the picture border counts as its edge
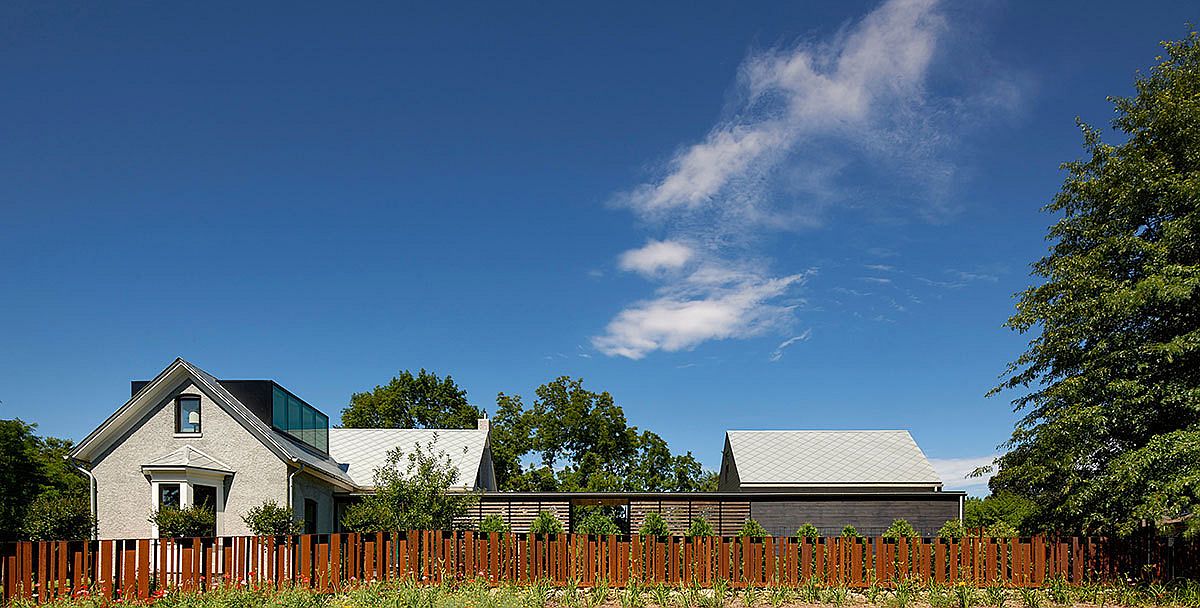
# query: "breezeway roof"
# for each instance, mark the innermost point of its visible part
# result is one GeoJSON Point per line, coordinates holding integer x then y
{"type": "Point", "coordinates": [829, 458]}
{"type": "Point", "coordinates": [365, 450]}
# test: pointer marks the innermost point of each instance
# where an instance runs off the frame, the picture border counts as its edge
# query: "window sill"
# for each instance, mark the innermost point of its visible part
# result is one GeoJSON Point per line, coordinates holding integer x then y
{"type": "Point", "coordinates": [188, 435]}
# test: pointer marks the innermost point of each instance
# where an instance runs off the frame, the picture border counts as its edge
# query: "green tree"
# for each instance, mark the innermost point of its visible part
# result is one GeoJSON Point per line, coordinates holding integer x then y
{"type": "Point", "coordinates": [576, 439]}
{"type": "Point", "coordinates": [29, 466]}
{"type": "Point", "coordinates": [952, 530]}
{"type": "Point", "coordinates": [700, 527]}
{"type": "Point", "coordinates": [1110, 435]}
{"type": "Point", "coordinates": [1005, 507]}
{"type": "Point", "coordinates": [59, 515]}
{"type": "Point", "coordinates": [410, 401]}
{"type": "Point", "coordinates": [419, 497]}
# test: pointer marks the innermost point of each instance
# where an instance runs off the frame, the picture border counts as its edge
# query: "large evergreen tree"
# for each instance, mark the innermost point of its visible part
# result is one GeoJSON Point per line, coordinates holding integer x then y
{"type": "Point", "coordinates": [1110, 437]}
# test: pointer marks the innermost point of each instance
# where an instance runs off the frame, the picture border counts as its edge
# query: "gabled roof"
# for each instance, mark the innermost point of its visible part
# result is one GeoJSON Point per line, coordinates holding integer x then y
{"type": "Point", "coordinates": [829, 458]}
{"type": "Point", "coordinates": [366, 450]}
{"type": "Point", "coordinates": [188, 457]}
{"type": "Point", "coordinates": [178, 371]}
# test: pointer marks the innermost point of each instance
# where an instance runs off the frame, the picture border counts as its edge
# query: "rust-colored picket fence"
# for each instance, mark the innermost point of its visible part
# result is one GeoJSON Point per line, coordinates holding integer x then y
{"type": "Point", "coordinates": [329, 562]}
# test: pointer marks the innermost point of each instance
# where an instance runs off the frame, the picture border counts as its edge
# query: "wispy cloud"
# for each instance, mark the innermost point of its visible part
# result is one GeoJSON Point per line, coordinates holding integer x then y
{"type": "Point", "coordinates": [954, 473]}
{"type": "Point", "coordinates": [807, 121]}
{"type": "Point", "coordinates": [712, 303]}
{"type": "Point", "coordinates": [778, 354]}
{"type": "Point", "coordinates": [656, 256]}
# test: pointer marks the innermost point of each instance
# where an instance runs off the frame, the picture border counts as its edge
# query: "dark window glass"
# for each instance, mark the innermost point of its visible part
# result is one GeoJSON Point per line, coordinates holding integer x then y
{"type": "Point", "coordinates": [206, 497]}
{"type": "Point", "coordinates": [187, 415]}
{"type": "Point", "coordinates": [310, 516]}
{"type": "Point", "coordinates": [168, 495]}
{"type": "Point", "coordinates": [279, 409]}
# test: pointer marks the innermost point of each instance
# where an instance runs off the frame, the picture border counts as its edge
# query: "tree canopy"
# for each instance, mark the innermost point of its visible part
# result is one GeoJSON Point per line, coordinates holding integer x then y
{"type": "Point", "coordinates": [29, 467]}
{"type": "Point", "coordinates": [576, 439]}
{"type": "Point", "coordinates": [1110, 435]}
{"type": "Point", "coordinates": [411, 401]}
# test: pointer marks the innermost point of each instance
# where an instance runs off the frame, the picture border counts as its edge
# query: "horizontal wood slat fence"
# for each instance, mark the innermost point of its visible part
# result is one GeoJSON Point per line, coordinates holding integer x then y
{"type": "Point", "coordinates": [330, 562]}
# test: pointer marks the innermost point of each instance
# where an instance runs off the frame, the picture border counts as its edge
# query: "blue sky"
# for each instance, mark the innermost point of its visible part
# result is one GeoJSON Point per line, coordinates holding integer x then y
{"type": "Point", "coordinates": [731, 216]}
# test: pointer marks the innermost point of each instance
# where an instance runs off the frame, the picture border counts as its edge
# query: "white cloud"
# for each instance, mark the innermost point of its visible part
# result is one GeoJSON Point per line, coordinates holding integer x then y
{"type": "Point", "coordinates": [845, 122]}
{"type": "Point", "coordinates": [864, 89]}
{"type": "Point", "coordinates": [655, 256]}
{"type": "Point", "coordinates": [700, 308]}
{"type": "Point", "coordinates": [954, 471]}
{"type": "Point", "coordinates": [778, 354]}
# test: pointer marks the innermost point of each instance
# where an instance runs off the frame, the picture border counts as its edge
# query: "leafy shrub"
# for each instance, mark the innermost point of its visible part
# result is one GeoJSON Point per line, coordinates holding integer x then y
{"type": "Point", "coordinates": [365, 516]}
{"type": "Point", "coordinates": [596, 523]}
{"type": "Point", "coordinates": [752, 529]}
{"type": "Point", "coordinates": [850, 532]}
{"type": "Point", "coordinates": [174, 522]}
{"type": "Point", "coordinates": [900, 528]}
{"type": "Point", "coordinates": [700, 527]}
{"type": "Point", "coordinates": [56, 515]}
{"type": "Point", "coordinates": [412, 493]}
{"type": "Point", "coordinates": [809, 531]}
{"type": "Point", "coordinates": [545, 523]}
{"type": "Point", "coordinates": [952, 530]}
{"type": "Point", "coordinates": [494, 523]}
{"type": "Point", "coordinates": [1002, 529]}
{"type": "Point", "coordinates": [654, 525]}
{"type": "Point", "coordinates": [271, 519]}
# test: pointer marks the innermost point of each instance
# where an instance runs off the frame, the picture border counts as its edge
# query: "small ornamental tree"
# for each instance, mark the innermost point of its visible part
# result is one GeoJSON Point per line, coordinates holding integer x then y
{"type": "Point", "coordinates": [597, 523]}
{"type": "Point", "coordinates": [493, 522]}
{"type": "Point", "coordinates": [56, 515]}
{"type": "Point", "coordinates": [752, 529]}
{"type": "Point", "coordinates": [850, 532]}
{"type": "Point", "coordinates": [271, 519]}
{"type": "Point", "coordinates": [173, 522]}
{"type": "Point", "coordinates": [952, 530]}
{"type": "Point", "coordinates": [808, 531]}
{"type": "Point", "coordinates": [700, 527]}
{"type": "Point", "coordinates": [421, 497]}
{"type": "Point", "coordinates": [655, 525]}
{"type": "Point", "coordinates": [546, 523]}
{"type": "Point", "coordinates": [900, 528]}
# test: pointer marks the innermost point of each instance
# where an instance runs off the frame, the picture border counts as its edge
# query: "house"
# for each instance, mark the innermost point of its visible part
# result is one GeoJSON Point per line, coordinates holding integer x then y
{"type": "Point", "coordinates": [186, 438]}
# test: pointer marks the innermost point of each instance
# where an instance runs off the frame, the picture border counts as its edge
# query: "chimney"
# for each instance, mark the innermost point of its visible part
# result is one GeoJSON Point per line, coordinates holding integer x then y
{"type": "Point", "coordinates": [483, 424]}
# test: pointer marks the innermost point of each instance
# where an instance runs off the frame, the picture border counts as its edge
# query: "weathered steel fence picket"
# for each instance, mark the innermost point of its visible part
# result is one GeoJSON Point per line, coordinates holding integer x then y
{"type": "Point", "coordinates": [328, 562]}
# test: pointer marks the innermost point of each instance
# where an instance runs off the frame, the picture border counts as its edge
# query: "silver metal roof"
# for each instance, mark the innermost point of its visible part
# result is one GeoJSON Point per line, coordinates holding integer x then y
{"type": "Point", "coordinates": [188, 457]}
{"type": "Point", "coordinates": [816, 458]}
{"type": "Point", "coordinates": [366, 450]}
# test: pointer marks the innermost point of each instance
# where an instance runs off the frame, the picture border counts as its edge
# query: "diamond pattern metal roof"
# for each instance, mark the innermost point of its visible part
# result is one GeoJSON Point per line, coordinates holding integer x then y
{"type": "Point", "coordinates": [829, 457]}
{"type": "Point", "coordinates": [188, 456]}
{"type": "Point", "coordinates": [365, 450]}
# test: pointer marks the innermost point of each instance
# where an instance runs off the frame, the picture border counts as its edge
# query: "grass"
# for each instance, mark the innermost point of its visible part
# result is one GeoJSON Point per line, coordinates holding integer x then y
{"type": "Point", "coordinates": [541, 594]}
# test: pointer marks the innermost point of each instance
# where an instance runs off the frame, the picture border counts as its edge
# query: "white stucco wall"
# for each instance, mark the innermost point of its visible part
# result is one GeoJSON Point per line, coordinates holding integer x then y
{"type": "Point", "coordinates": [124, 500]}
{"type": "Point", "coordinates": [305, 486]}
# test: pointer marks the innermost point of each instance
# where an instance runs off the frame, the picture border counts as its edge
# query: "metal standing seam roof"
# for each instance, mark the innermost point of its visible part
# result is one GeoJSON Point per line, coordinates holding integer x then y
{"type": "Point", "coordinates": [829, 458]}
{"type": "Point", "coordinates": [365, 450]}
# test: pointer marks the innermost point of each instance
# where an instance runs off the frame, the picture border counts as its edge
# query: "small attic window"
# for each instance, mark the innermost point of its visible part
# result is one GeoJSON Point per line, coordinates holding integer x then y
{"type": "Point", "coordinates": [187, 414]}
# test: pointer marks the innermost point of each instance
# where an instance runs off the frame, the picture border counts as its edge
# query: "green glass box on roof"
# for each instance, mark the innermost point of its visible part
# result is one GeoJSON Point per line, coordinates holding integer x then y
{"type": "Point", "coordinates": [300, 420]}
